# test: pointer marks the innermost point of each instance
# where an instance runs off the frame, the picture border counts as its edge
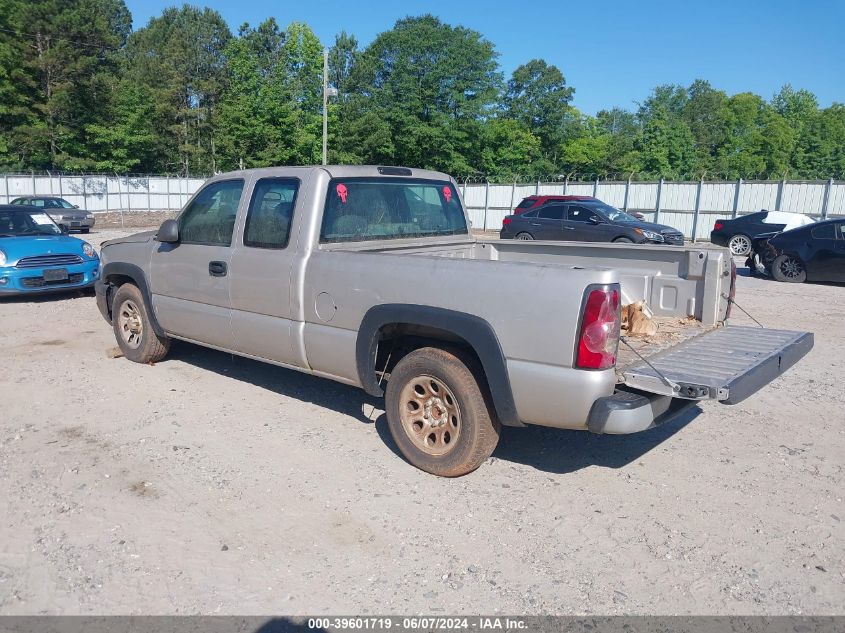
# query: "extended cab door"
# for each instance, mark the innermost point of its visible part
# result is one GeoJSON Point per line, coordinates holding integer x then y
{"type": "Point", "coordinates": [261, 270]}
{"type": "Point", "coordinates": [190, 279]}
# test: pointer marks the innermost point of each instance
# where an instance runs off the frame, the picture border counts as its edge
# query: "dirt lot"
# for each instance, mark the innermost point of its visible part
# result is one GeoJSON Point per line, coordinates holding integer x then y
{"type": "Point", "coordinates": [213, 484]}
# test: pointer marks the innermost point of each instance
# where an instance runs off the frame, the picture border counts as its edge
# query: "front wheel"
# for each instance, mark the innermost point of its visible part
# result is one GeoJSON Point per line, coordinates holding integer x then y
{"type": "Point", "coordinates": [132, 327]}
{"type": "Point", "coordinates": [789, 268]}
{"type": "Point", "coordinates": [439, 416]}
{"type": "Point", "coordinates": [740, 245]}
{"type": "Point", "coordinates": [524, 236]}
{"type": "Point", "coordinates": [623, 240]}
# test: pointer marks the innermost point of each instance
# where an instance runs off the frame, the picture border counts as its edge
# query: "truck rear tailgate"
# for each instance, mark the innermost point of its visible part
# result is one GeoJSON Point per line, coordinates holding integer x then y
{"type": "Point", "coordinates": [727, 364]}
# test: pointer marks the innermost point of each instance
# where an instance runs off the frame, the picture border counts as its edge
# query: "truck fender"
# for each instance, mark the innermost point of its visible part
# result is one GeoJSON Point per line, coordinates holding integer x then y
{"type": "Point", "coordinates": [138, 277]}
{"type": "Point", "coordinates": [477, 332]}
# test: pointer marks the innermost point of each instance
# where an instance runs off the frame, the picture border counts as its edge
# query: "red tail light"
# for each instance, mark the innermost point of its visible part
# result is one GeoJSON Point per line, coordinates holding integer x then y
{"type": "Point", "coordinates": [718, 226]}
{"type": "Point", "coordinates": [599, 336]}
{"type": "Point", "coordinates": [507, 221]}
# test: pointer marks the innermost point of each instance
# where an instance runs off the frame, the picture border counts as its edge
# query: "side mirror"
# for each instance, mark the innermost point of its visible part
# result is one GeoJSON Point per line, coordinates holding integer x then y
{"type": "Point", "coordinates": [594, 219]}
{"type": "Point", "coordinates": [64, 229]}
{"type": "Point", "coordinates": [76, 206]}
{"type": "Point", "coordinates": [168, 232]}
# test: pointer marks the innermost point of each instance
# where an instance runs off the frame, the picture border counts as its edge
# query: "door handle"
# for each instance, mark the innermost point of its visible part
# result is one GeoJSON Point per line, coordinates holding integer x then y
{"type": "Point", "coordinates": [536, 224]}
{"type": "Point", "coordinates": [217, 269]}
{"type": "Point", "coordinates": [568, 228]}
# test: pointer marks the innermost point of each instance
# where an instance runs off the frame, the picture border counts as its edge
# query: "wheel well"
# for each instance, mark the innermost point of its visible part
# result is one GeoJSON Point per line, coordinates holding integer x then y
{"type": "Point", "coordinates": [397, 340]}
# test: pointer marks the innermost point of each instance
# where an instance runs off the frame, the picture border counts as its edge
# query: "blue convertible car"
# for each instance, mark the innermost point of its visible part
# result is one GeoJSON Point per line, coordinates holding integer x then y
{"type": "Point", "coordinates": [36, 256]}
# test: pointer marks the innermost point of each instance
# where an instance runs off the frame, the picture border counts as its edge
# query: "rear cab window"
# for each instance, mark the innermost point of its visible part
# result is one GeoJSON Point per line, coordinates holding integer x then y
{"type": "Point", "coordinates": [362, 209]}
{"type": "Point", "coordinates": [270, 213]}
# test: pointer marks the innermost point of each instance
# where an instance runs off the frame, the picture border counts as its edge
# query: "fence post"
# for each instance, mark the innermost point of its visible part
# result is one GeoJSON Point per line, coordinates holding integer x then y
{"type": "Point", "coordinates": [513, 195]}
{"type": "Point", "coordinates": [167, 188]}
{"type": "Point", "coordinates": [119, 198]}
{"type": "Point", "coordinates": [50, 178]}
{"type": "Point", "coordinates": [84, 194]}
{"type": "Point", "coordinates": [60, 185]}
{"type": "Point", "coordinates": [128, 196]}
{"type": "Point", "coordinates": [149, 195]}
{"type": "Point", "coordinates": [463, 195]}
{"type": "Point", "coordinates": [486, 199]}
{"type": "Point", "coordinates": [627, 188]}
{"type": "Point", "coordinates": [33, 183]}
{"type": "Point", "coordinates": [736, 197]}
{"type": "Point", "coordinates": [828, 186]}
{"type": "Point", "coordinates": [537, 188]}
{"type": "Point", "coordinates": [697, 206]}
{"type": "Point", "coordinates": [596, 187]}
{"type": "Point", "coordinates": [657, 204]}
{"type": "Point", "coordinates": [779, 199]}
{"type": "Point", "coordinates": [6, 179]}
{"type": "Point", "coordinates": [565, 184]}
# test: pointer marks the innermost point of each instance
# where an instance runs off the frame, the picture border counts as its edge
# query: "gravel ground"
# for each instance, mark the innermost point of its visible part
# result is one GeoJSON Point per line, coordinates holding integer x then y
{"type": "Point", "coordinates": [213, 484]}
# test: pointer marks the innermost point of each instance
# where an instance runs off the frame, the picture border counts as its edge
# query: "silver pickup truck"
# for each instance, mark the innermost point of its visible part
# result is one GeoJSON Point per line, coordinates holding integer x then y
{"type": "Point", "coordinates": [370, 276]}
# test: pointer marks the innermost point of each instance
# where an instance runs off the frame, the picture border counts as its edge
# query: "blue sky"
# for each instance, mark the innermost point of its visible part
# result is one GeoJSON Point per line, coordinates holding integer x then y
{"type": "Point", "coordinates": [612, 52]}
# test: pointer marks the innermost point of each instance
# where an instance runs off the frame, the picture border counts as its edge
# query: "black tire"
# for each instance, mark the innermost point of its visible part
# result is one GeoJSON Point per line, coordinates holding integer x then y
{"type": "Point", "coordinates": [524, 236]}
{"type": "Point", "coordinates": [85, 230]}
{"type": "Point", "coordinates": [469, 414]}
{"type": "Point", "coordinates": [129, 312]}
{"type": "Point", "coordinates": [623, 240]}
{"type": "Point", "coordinates": [739, 245]}
{"type": "Point", "coordinates": [789, 268]}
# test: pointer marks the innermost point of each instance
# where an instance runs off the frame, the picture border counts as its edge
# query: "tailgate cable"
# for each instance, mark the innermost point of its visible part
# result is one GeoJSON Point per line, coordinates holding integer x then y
{"type": "Point", "coordinates": [733, 301]}
{"type": "Point", "coordinates": [675, 387]}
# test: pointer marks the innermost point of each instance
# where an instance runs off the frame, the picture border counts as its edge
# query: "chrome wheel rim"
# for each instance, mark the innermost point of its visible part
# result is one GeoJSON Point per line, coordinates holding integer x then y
{"type": "Point", "coordinates": [739, 245]}
{"type": "Point", "coordinates": [431, 417]}
{"type": "Point", "coordinates": [129, 324]}
{"type": "Point", "coordinates": [791, 268]}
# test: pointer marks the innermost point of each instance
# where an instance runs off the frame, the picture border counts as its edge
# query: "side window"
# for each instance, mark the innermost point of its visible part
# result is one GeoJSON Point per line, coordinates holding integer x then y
{"type": "Point", "coordinates": [527, 202]}
{"type": "Point", "coordinates": [36, 203]}
{"type": "Point", "coordinates": [580, 214]}
{"type": "Point", "coordinates": [824, 232]}
{"type": "Point", "coordinates": [551, 212]}
{"type": "Point", "coordinates": [210, 217]}
{"type": "Point", "coordinates": [270, 213]}
{"type": "Point", "coordinates": [840, 231]}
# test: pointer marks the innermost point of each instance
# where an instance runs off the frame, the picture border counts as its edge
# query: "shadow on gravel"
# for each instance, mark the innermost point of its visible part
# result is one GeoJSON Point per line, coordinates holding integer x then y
{"type": "Point", "coordinates": [560, 451]}
{"type": "Point", "coordinates": [48, 297]}
{"type": "Point", "coordinates": [286, 382]}
{"type": "Point", "coordinates": [550, 450]}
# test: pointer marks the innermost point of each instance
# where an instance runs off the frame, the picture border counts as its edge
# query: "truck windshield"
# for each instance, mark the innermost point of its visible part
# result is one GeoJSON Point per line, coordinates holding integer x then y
{"type": "Point", "coordinates": [359, 209]}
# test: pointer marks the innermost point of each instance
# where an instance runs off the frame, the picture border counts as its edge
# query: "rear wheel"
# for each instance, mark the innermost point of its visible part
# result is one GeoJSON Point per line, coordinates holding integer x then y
{"type": "Point", "coordinates": [789, 268]}
{"type": "Point", "coordinates": [524, 236]}
{"type": "Point", "coordinates": [740, 245]}
{"type": "Point", "coordinates": [132, 327]}
{"type": "Point", "coordinates": [438, 414]}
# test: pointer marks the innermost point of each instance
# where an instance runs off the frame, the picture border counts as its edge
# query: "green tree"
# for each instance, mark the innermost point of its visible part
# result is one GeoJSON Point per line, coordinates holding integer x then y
{"type": "Point", "coordinates": [428, 79]}
{"type": "Point", "coordinates": [179, 55]}
{"type": "Point", "coordinates": [537, 96]}
{"type": "Point", "coordinates": [61, 57]}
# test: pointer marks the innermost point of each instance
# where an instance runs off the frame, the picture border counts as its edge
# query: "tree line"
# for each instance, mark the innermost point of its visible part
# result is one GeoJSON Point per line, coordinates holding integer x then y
{"type": "Point", "coordinates": [81, 91]}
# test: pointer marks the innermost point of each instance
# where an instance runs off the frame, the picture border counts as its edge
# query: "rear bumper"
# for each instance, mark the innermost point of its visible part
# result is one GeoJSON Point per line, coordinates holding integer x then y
{"type": "Point", "coordinates": [629, 412]}
{"type": "Point", "coordinates": [719, 239]}
{"type": "Point", "coordinates": [30, 281]}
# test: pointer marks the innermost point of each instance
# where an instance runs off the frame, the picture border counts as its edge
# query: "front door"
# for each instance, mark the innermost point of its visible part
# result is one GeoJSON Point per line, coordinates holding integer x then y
{"type": "Point", "coordinates": [828, 260]}
{"type": "Point", "coordinates": [190, 279]}
{"type": "Point", "coordinates": [582, 222]}
{"type": "Point", "coordinates": [261, 270]}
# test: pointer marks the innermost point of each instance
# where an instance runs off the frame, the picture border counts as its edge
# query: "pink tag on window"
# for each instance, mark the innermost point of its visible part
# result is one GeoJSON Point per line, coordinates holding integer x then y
{"type": "Point", "coordinates": [447, 193]}
{"type": "Point", "coordinates": [342, 192]}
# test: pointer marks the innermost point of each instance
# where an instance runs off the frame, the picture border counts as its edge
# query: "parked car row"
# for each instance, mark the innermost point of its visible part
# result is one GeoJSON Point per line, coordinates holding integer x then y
{"type": "Point", "coordinates": [582, 219]}
{"type": "Point", "coordinates": [809, 253]}
{"type": "Point", "coordinates": [738, 233]}
{"type": "Point", "coordinates": [68, 216]}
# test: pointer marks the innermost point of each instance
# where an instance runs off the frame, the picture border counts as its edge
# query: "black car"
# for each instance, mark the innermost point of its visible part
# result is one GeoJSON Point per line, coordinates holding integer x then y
{"type": "Point", "coordinates": [810, 253]}
{"type": "Point", "coordinates": [738, 234]}
{"type": "Point", "coordinates": [586, 221]}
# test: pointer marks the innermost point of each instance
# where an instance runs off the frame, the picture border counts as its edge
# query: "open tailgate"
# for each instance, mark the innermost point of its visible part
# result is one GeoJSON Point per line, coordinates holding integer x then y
{"type": "Point", "coordinates": [727, 364]}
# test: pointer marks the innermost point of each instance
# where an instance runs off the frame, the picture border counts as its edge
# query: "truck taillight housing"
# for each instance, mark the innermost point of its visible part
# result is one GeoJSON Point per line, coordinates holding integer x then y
{"type": "Point", "coordinates": [598, 340]}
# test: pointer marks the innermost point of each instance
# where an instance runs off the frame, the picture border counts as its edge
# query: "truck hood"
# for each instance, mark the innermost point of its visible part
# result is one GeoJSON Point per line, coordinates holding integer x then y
{"type": "Point", "coordinates": [33, 245]}
{"type": "Point", "coordinates": [145, 236]}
